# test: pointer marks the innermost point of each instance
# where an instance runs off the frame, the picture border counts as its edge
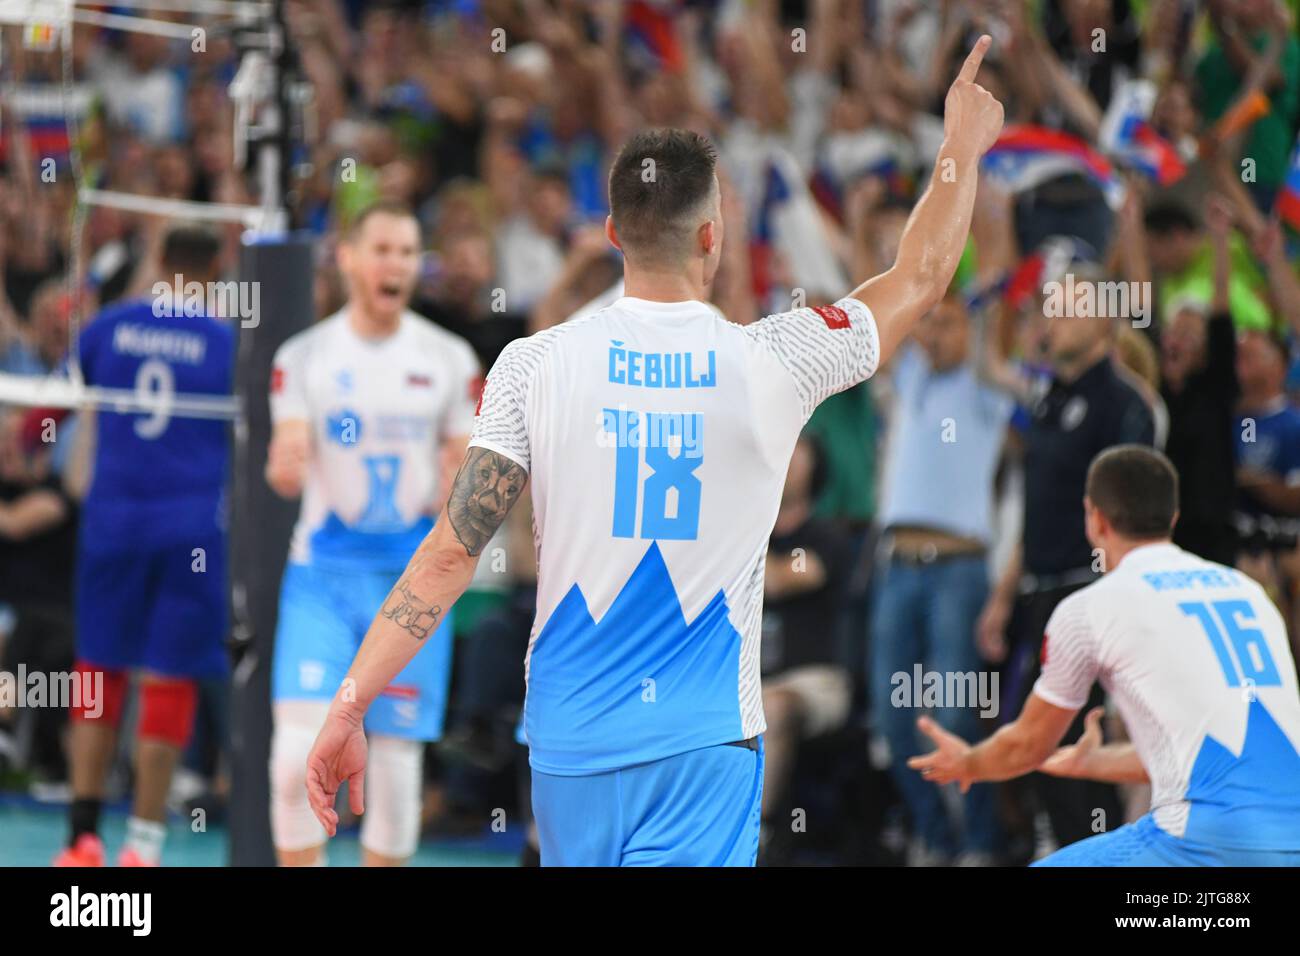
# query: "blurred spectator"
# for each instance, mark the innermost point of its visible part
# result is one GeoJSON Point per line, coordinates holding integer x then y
{"type": "Point", "coordinates": [806, 689]}
{"type": "Point", "coordinates": [1254, 42]}
{"type": "Point", "coordinates": [463, 301]}
{"type": "Point", "coordinates": [945, 436]}
{"type": "Point", "coordinates": [1268, 470]}
{"type": "Point", "coordinates": [142, 91]}
{"type": "Point", "coordinates": [1182, 261]}
{"type": "Point", "coordinates": [37, 544]}
{"type": "Point", "coordinates": [530, 244]}
{"type": "Point", "coordinates": [1087, 406]}
{"type": "Point", "coordinates": [1198, 363]}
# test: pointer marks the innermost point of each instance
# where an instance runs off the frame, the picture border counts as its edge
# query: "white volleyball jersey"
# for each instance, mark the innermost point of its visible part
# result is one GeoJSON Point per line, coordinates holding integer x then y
{"type": "Point", "coordinates": [1196, 657]}
{"type": "Point", "coordinates": [657, 436]}
{"type": "Point", "coordinates": [379, 410]}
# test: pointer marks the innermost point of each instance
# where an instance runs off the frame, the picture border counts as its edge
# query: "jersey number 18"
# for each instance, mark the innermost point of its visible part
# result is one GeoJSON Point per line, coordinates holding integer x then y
{"type": "Point", "coordinates": [670, 496]}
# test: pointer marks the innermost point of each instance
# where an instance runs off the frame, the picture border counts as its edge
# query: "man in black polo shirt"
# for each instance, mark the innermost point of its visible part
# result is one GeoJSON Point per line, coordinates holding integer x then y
{"type": "Point", "coordinates": [37, 543]}
{"type": "Point", "coordinates": [1086, 406]}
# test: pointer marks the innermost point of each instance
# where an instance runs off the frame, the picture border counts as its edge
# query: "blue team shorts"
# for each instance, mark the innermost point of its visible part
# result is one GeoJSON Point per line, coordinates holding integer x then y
{"type": "Point", "coordinates": [324, 616]}
{"type": "Point", "coordinates": [161, 609]}
{"type": "Point", "coordinates": [1143, 843]}
{"type": "Point", "coordinates": [700, 808]}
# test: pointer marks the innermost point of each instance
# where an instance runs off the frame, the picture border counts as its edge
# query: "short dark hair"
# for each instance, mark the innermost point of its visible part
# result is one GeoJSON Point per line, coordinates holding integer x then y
{"type": "Point", "coordinates": [1136, 488]}
{"type": "Point", "coordinates": [380, 207]}
{"type": "Point", "coordinates": [1274, 341]}
{"type": "Point", "coordinates": [190, 249]}
{"type": "Point", "coordinates": [1163, 218]}
{"type": "Point", "coordinates": [651, 213]}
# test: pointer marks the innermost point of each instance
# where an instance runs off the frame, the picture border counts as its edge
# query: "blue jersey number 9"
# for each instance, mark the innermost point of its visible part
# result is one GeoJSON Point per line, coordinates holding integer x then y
{"type": "Point", "coordinates": [155, 388]}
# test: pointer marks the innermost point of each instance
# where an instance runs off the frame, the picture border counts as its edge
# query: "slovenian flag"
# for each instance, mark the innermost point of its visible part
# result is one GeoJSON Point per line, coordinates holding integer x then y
{"type": "Point", "coordinates": [1152, 154]}
{"type": "Point", "coordinates": [651, 28]}
{"type": "Point", "coordinates": [1049, 262]}
{"type": "Point", "coordinates": [1287, 205]}
{"type": "Point", "coordinates": [1128, 136]}
{"type": "Point", "coordinates": [1026, 156]}
{"type": "Point", "coordinates": [788, 225]}
{"type": "Point", "coordinates": [846, 160]}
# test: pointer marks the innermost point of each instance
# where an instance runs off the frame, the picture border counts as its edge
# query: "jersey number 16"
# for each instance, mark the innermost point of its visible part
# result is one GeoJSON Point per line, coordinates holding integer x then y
{"type": "Point", "coordinates": [1253, 662]}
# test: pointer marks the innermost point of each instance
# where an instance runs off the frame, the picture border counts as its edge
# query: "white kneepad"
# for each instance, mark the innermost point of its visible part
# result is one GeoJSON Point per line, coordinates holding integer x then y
{"type": "Point", "coordinates": [391, 824]}
{"type": "Point", "coordinates": [293, 824]}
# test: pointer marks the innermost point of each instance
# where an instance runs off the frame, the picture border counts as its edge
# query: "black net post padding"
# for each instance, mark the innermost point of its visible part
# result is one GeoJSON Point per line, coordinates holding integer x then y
{"type": "Point", "coordinates": [260, 527]}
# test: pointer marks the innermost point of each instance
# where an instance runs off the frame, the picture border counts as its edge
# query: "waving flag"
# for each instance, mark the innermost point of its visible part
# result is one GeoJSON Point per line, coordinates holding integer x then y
{"type": "Point", "coordinates": [846, 159]}
{"type": "Point", "coordinates": [1287, 205]}
{"type": "Point", "coordinates": [1152, 154]}
{"type": "Point", "coordinates": [789, 225]}
{"type": "Point", "coordinates": [1026, 156]}
{"type": "Point", "coordinates": [1127, 135]}
{"type": "Point", "coordinates": [1049, 262]}
{"type": "Point", "coordinates": [39, 109]}
{"type": "Point", "coordinates": [650, 29]}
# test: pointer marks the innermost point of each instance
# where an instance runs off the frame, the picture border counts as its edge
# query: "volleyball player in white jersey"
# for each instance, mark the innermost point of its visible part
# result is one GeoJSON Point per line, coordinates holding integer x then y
{"type": "Point", "coordinates": [657, 436]}
{"type": "Point", "coordinates": [370, 406]}
{"type": "Point", "coordinates": [1197, 660]}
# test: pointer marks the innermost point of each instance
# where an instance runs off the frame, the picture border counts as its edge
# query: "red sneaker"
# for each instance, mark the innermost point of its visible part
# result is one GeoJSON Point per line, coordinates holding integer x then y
{"type": "Point", "coordinates": [129, 857]}
{"type": "Point", "coordinates": [87, 851]}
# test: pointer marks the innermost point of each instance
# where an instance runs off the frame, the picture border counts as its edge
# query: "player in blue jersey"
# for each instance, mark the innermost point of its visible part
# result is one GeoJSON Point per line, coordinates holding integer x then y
{"type": "Point", "coordinates": [657, 436]}
{"type": "Point", "coordinates": [1197, 660]}
{"type": "Point", "coordinates": [368, 406]}
{"type": "Point", "coordinates": [151, 561]}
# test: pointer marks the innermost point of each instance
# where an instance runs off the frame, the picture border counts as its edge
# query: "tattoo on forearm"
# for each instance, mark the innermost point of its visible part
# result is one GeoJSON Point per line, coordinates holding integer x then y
{"type": "Point", "coordinates": [485, 489]}
{"type": "Point", "coordinates": [418, 618]}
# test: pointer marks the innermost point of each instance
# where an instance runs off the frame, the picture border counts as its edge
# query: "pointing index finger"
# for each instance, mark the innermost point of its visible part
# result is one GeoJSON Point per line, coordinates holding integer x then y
{"type": "Point", "coordinates": [971, 67]}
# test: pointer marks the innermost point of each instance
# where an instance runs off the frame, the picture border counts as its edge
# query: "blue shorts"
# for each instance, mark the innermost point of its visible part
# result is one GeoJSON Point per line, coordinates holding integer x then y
{"type": "Point", "coordinates": [700, 808]}
{"type": "Point", "coordinates": [324, 616]}
{"type": "Point", "coordinates": [161, 609]}
{"type": "Point", "coordinates": [1143, 843]}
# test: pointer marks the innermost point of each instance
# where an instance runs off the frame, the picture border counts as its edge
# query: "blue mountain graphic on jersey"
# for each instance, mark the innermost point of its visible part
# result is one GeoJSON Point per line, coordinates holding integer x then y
{"type": "Point", "coordinates": [639, 684]}
{"type": "Point", "coordinates": [1253, 796]}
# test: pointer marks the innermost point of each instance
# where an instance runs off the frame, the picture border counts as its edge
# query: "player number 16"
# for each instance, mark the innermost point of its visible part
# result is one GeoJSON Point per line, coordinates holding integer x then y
{"type": "Point", "coordinates": [1253, 660]}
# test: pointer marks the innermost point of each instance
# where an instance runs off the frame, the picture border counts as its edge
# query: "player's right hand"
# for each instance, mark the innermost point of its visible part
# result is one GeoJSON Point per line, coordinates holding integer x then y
{"type": "Point", "coordinates": [339, 754]}
{"type": "Point", "coordinates": [286, 459]}
{"type": "Point", "coordinates": [972, 116]}
{"type": "Point", "coordinates": [1072, 761]}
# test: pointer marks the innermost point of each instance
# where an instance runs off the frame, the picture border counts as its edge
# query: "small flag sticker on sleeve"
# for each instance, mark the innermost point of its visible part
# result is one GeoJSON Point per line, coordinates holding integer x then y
{"type": "Point", "coordinates": [833, 316]}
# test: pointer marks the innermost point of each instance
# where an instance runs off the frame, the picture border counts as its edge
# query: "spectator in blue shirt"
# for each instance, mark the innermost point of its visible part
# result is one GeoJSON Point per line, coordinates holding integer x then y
{"type": "Point", "coordinates": [945, 434]}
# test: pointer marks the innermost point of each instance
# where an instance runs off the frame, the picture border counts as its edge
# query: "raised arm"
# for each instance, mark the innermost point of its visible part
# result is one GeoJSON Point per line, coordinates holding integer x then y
{"type": "Point", "coordinates": [935, 235]}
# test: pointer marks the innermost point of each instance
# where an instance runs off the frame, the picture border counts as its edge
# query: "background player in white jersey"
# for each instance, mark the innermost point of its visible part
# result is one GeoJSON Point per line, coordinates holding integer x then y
{"type": "Point", "coordinates": [372, 408]}
{"type": "Point", "coordinates": [1197, 660]}
{"type": "Point", "coordinates": [657, 435]}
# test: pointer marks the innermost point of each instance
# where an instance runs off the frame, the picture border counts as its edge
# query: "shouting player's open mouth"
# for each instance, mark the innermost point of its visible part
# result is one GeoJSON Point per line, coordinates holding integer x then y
{"type": "Point", "coordinates": [391, 294]}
